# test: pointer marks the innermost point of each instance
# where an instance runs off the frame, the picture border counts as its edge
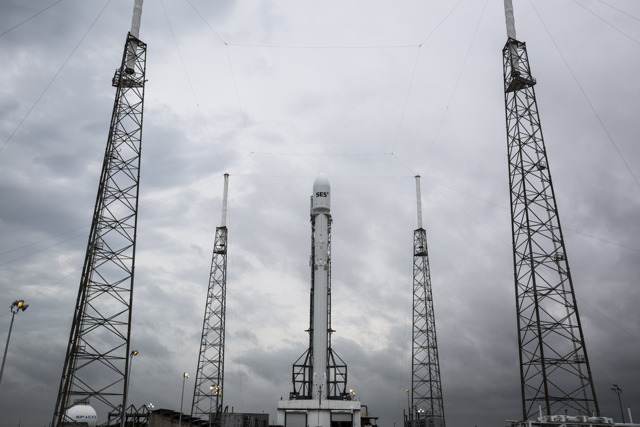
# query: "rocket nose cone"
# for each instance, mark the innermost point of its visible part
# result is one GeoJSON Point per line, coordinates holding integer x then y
{"type": "Point", "coordinates": [321, 183]}
{"type": "Point", "coordinates": [321, 199]}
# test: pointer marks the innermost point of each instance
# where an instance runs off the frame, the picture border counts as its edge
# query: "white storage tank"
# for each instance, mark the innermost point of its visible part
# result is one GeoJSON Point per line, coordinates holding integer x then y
{"type": "Point", "coordinates": [82, 413]}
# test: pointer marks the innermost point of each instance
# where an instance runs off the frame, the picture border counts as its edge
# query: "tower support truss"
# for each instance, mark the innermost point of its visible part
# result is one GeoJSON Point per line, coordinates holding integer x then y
{"type": "Point", "coordinates": [96, 363]}
{"type": "Point", "coordinates": [209, 383]}
{"type": "Point", "coordinates": [426, 389]}
{"type": "Point", "coordinates": [554, 367]}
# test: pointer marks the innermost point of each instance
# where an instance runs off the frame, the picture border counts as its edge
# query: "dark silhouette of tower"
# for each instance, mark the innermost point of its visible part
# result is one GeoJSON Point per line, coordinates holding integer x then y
{"type": "Point", "coordinates": [427, 408]}
{"type": "Point", "coordinates": [554, 367]}
{"type": "Point", "coordinates": [209, 383]}
{"type": "Point", "coordinates": [97, 360]}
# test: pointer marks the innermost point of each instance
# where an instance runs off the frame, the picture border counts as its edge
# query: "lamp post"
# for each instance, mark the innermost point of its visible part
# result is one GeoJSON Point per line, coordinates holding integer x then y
{"type": "Point", "coordinates": [408, 406]}
{"type": "Point", "coordinates": [420, 411]}
{"type": "Point", "coordinates": [184, 378]}
{"type": "Point", "coordinates": [617, 390]}
{"type": "Point", "coordinates": [217, 393]}
{"type": "Point", "coordinates": [126, 393]}
{"type": "Point", "coordinates": [15, 308]}
{"type": "Point", "coordinates": [210, 403]}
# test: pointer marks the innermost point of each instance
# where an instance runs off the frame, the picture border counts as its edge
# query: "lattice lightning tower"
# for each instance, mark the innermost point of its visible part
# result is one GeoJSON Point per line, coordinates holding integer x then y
{"type": "Point", "coordinates": [97, 363]}
{"type": "Point", "coordinates": [210, 376]}
{"type": "Point", "coordinates": [554, 368]}
{"type": "Point", "coordinates": [426, 389]}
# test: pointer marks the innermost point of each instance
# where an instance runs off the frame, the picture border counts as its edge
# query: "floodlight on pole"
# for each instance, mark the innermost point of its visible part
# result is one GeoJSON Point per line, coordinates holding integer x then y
{"type": "Point", "coordinates": [408, 404]}
{"type": "Point", "coordinates": [184, 378]}
{"type": "Point", "coordinates": [617, 390]}
{"type": "Point", "coordinates": [16, 306]}
{"type": "Point", "coordinates": [211, 402]}
{"type": "Point", "coordinates": [126, 395]}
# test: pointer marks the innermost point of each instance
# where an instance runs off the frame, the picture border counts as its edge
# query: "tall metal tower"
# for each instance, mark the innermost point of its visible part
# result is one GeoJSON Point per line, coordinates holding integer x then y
{"type": "Point", "coordinates": [426, 389]}
{"type": "Point", "coordinates": [209, 381]}
{"type": "Point", "coordinates": [335, 370]}
{"type": "Point", "coordinates": [96, 365]}
{"type": "Point", "coordinates": [554, 367]}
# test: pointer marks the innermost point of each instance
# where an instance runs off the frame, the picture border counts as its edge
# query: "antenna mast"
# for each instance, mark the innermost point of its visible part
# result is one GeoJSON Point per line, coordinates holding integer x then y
{"type": "Point", "coordinates": [96, 365]}
{"type": "Point", "coordinates": [426, 389]}
{"type": "Point", "coordinates": [209, 383]}
{"type": "Point", "coordinates": [419, 198]}
{"type": "Point", "coordinates": [554, 368]}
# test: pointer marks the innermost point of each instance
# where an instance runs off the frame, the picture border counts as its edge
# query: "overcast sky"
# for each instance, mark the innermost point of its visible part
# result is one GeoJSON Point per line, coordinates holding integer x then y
{"type": "Point", "coordinates": [369, 93]}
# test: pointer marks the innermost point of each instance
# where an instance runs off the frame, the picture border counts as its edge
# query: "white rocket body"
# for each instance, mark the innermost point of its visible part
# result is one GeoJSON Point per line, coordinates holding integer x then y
{"type": "Point", "coordinates": [321, 212]}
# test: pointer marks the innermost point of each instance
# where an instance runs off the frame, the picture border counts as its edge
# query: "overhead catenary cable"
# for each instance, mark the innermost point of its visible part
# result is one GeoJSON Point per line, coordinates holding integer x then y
{"type": "Point", "coordinates": [233, 76]}
{"type": "Point", "coordinates": [403, 164]}
{"type": "Point", "coordinates": [206, 22]}
{"type": "Point", "coordinates": [607, 22]}
{"type": "Point", "coordinates": [455, 88]}
{"type": "Point", "coordinates": [413, 74]}
{"type": "Point", "coordinates": [77, 234]}
{"type": "Point", "coordinates": [586, 97]}
{"type": "Point", "coordinates": [440, 23]}
{"type": "Point", "coordinates": [616, 324]}
{"type": "Point", "coordinates": [321, 154]}
{"type": "Point", "coordinates": [337, 47]}
{"type": "Point", "coordinates": [55, 76]}
{"type": "Point", "coordinates": [193, 93]}
{"type": "Point", "coordinates": [406, 99]}
{"type": "Point", "coordinates": [619, 10]}
{"type": "Point", "coordinates": [281, 46]}
{"type": "Point", "coordinates": [196, 187]}
{"type": "Point", "coordinates": [332, 176]}
{"type": "Point", "coordinates": [28, 245]}
{"type": "Point", "coordinates": [243, 114]}
{"type": "Point", "coordinates": [229, 44]}
{"type": "Point", "coordinates": [29, 18]}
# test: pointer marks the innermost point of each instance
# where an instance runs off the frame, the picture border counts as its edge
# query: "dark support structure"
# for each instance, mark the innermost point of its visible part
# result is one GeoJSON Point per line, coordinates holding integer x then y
{"type": "Point", "coordinates": [134, 416]}
{"type": "Point", "coordinates": [301, 375]}
{"type": "Point", "coordinates": [426, 388]}
{"type": "Point", "coordinates": [208, 392]}
{"type": "Point", "coordinates": [554, 367]}
{"type": "Point", "coordinates": [97, 360]}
